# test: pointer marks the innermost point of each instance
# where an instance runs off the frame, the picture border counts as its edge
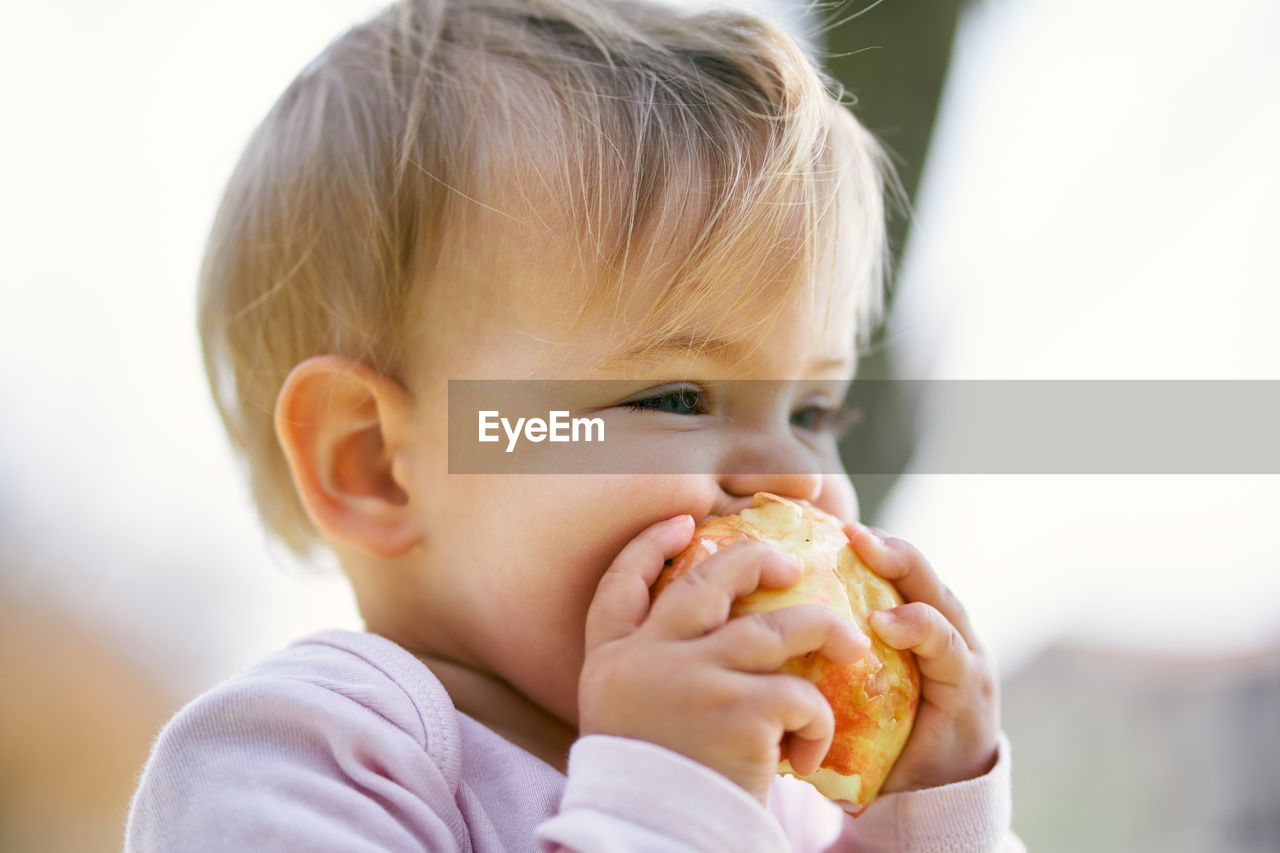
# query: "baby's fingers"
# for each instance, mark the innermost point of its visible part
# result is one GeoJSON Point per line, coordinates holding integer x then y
{"type": "Point", "coordinates": [622, 598]}
{"type": "Point", "coordinates": [698, 601]}
{"type": "Point", "coordinates": [763, 642]}
{"type": "Point", "coordinates": [940, 650]}
{"type": "Point", "coordinates": [900, 562]}
{"type": "Point", "coordinates": [804, 716]}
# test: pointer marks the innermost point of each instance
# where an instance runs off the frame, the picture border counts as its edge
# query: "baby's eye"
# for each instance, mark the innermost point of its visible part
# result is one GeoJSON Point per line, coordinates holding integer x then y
{"type": "Point", "coordinates": [827, 419]}
{"type": "Point", "coordinates": [685, 400]}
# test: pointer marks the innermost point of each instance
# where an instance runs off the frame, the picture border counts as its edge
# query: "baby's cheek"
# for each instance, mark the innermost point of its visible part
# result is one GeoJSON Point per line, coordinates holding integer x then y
{"type": "Point", "coordinates": [839, 498]}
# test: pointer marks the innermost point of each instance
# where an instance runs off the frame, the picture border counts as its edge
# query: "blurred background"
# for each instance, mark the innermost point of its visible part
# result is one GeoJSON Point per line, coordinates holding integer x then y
{"type": "Point", "coordinates": [1093, 189]}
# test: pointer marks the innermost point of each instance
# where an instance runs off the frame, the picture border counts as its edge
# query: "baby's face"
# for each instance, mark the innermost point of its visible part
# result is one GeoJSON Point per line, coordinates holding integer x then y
{"type": "Point", "coordinates": [512, 561]}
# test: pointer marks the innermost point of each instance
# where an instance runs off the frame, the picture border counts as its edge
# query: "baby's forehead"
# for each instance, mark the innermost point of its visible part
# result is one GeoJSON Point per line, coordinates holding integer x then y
{"type": "Point", "coordinates": [643, 325]}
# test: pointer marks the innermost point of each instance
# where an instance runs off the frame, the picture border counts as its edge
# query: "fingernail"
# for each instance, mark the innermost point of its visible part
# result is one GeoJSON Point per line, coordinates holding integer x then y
{"type": "Point", "coordinates": [882, 617]}
{"type": "Point", "coordinates": [871, 534]}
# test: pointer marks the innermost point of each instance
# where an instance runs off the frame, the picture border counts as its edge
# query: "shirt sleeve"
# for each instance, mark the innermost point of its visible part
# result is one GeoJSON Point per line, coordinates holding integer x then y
{"type": "Point", "coordinates": [632, 796]}
{"type": "Point", "coordinates": [272, 763]}
{"type": "Point", "coordinates": [974, 815]}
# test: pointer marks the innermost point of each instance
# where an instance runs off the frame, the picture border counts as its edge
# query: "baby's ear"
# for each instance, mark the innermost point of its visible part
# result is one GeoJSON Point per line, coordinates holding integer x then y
{"type": "Point", "coordinates": [347, 432]}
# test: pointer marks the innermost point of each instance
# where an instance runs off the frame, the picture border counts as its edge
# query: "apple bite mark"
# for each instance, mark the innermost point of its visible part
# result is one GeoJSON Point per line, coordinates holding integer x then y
{"type": "Point", "coordinates": [873, 699]}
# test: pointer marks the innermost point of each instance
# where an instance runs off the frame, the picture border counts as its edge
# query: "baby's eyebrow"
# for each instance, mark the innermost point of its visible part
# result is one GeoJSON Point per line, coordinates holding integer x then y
{"type": "Point", "coordinates": [830, 364]}
{"type": "Point", "coordinates": [685, 344]}
{"type": "Point", "coordinates": [680, 344]}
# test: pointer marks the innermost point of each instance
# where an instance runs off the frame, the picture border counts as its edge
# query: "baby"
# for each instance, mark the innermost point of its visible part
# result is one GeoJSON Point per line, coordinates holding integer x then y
{"type": "Point", "coordinates": [547, 190]}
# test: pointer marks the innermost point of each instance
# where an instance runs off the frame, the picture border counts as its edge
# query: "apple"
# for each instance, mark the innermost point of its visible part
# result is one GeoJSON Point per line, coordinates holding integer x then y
{"type": "Point", "coordinates": [874, 700]}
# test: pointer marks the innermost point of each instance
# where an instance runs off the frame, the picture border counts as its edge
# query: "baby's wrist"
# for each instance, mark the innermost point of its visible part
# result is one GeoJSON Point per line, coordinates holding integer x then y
{"type": "Point", "coordinates": [977, 811]}
{"type": "Point", "coordinates": [960, 772]}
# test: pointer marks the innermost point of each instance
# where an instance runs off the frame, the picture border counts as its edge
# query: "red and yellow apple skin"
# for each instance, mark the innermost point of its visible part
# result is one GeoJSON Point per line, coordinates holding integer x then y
{"type": "Point", "coordinates": [874, 700]}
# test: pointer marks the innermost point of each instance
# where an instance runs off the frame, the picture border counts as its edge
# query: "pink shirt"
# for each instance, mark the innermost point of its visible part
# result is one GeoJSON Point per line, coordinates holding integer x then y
{"type": "Point", "coordinates": [345, 741]}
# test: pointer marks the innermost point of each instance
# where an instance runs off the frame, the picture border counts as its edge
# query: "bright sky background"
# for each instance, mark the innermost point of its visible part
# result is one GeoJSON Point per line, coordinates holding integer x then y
{"type": "Point", "coordinates": [1101, 203]}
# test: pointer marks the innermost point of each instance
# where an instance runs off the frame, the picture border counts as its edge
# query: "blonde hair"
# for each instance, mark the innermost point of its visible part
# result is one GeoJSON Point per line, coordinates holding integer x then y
{"type": "Point", "coordinates": [706, 145]}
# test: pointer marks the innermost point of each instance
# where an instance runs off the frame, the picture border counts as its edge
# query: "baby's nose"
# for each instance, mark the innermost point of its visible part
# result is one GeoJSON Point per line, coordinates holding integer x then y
{"type": "Point", "coordinates": [797, 486]}
{"type": "Point", "coordinates": [782, 467]}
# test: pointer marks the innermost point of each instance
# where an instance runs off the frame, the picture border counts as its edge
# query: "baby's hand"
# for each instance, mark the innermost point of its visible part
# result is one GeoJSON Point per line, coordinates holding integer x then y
{"type": "Point", "coordinates": [954, 737]}
{"type": "Point", "coordinates": [681, 675]}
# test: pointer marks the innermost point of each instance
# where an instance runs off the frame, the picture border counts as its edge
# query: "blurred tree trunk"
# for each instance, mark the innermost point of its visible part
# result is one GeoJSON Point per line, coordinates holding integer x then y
{"type": "Point", "coordinates": [893, 58]}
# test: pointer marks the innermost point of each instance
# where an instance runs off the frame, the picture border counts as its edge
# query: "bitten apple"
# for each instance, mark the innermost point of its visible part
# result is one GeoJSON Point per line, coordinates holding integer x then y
{"type": "Point", "coordinates": [874, 700]}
